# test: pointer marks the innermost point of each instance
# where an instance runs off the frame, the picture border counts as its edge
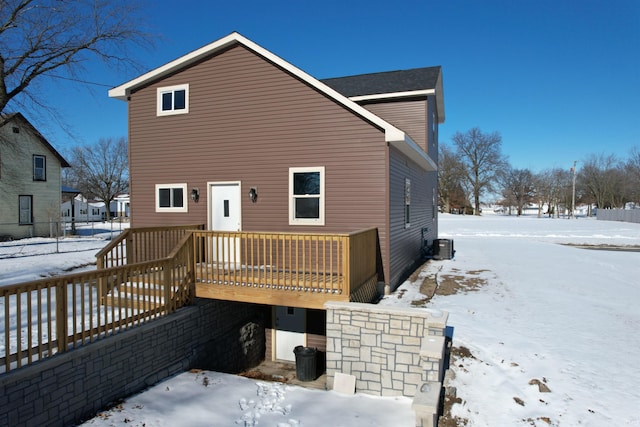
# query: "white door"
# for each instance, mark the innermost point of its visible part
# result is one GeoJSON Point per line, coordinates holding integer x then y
{"type": "Point", "coordinates": [225, 212]}
{"type": "Point", "coordinates": [290, 327]}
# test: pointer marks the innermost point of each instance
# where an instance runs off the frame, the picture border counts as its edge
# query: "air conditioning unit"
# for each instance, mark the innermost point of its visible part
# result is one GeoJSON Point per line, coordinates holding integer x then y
{"type": "Point", "coordinates": [443, 249]}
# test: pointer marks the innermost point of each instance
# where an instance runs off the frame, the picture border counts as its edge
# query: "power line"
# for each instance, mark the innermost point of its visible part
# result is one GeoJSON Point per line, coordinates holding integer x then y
{"type": "Point", "coordinates": [80, 81]}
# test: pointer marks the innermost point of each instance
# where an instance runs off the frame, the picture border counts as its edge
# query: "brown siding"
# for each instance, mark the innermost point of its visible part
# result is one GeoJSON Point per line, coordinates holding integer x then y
{"type": "Point", "coordinates": [250, 121]}
{"type": "Point", "coordinates": [432, 129]}
{"type": "Point", "coordinates": [410, 116]}
{"type": "Point", "coordinates": [406, 242]}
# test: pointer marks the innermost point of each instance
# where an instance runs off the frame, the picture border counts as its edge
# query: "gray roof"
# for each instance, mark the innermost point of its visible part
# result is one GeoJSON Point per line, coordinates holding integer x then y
{"type": "Point", "coordinates": [386, 82]}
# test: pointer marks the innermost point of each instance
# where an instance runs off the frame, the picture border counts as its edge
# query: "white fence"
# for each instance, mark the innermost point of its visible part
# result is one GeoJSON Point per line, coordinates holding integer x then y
{"type": "Point", "coordinates": [626, 215]}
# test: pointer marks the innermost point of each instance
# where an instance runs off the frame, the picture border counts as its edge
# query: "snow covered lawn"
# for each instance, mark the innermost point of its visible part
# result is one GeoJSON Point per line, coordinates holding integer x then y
{"type": "Point", "coordinates": [205, 398]}
{"type": "Point", "coordinates": [544, 313]}
{"type": "Point", "coordinates": [552, 333]}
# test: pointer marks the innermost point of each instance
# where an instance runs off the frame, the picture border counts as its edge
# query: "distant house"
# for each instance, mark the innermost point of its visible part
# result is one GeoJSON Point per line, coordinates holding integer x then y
{"type": "Point", "coordinates": [94, 210]}
{"type": "Point", "coordinates": [83, 210]}
{"type": "Point", "coordinates": [119, 207]}
{"type": "Point", "coordinates": [30, 180]}
{"type": "Point", "coordinates": [234, 137]}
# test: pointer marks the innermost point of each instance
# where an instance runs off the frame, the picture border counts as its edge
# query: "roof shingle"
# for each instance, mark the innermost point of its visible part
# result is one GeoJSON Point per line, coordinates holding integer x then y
{"type": "Point", "coordinates": [386, 82]}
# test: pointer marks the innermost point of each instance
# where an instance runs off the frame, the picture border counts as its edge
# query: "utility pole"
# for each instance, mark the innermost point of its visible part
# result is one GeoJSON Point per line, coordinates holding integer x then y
{"type": "Point", "coordinates": [573, 191]}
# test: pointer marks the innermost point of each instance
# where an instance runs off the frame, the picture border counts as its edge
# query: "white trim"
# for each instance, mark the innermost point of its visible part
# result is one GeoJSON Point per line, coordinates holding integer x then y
{"type": "Point", "coordinates": [408, 94]}
{"type": "Point", "coordinates": [185, 198]}
{"type": "Point", "coordinates": [162, 90]}
{"type": "Point", "coordinates": [415, 153]}
{"type": "Point", "coordinates": [306, 221]}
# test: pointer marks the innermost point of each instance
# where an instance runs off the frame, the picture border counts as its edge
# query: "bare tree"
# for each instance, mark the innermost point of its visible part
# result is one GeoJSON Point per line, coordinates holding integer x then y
{"type": "Point", "coordinates": [39, 38]}
{"type": "Point", "coordinates": [603, 181]}
{"type": "Point", "coordinates": [101, 171]}
{"type": "Point", "coordinates": [518, 188]}
{"type": "Point", "coordinates": [450, 179]}
{"type": "Point", "coordinates": [543, 184]}
{"type": "Point", "coordinates": [632, 171]}
{"type": "Point", "coordinates": [483, 159]}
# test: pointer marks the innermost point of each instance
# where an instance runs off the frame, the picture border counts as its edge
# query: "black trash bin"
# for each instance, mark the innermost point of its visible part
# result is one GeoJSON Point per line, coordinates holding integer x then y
{"type": "Point", "coordinates": [305, 363]}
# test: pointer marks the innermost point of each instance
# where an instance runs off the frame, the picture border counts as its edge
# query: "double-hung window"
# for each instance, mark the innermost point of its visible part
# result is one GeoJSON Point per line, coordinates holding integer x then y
{"type": "Point", "coordinates": [171, 198]}
{"type": "Point", "coordinates": [306, 196]}
{"type": "Point", "coordinates": [39, 168]}
{"type": "Point", "coordinates": [173, 100]}
{"type": "Point", "coordinates": [26, 210]}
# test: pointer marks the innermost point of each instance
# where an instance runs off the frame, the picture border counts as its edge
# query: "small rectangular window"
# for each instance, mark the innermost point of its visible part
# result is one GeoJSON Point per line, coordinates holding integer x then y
{"type": "Point", "coordinates": [173, 100]}
{"type": "Point", "coordinates": [306, 196]}
{"type": "Point", "coordinates": [39, 168]}
{"type": "Point", "coordinates": [407, 202]}
{"type": "Point", "coordinates": [26, 209]}
{"type": "Point", "coordinates": [171, 198]}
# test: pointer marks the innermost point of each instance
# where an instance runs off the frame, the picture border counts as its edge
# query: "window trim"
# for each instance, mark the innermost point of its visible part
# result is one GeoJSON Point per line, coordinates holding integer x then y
{"type": "Point", "coordinates": [30, 209]}
{"type": "Point", "coordinates": [185, 199]}
{"type": "Point", "coordinates": [44, 167]}
{"type": "Point", "coordinates": [172, 89]}
{"type": "Point", "coordinates": [306, 221]}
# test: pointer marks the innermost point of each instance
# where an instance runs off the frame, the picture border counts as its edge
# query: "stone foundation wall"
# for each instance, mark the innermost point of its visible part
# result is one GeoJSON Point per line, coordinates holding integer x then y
{"type": "Point", "coordinates": [391, 351]}
{"type": "Point", "coordinates": [73, 386]}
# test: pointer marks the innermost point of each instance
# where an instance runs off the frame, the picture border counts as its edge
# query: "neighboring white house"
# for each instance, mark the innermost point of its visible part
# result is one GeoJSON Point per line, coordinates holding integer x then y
{"type": "Point", "coordinates": [30, 180]}
{"type": "Point", "coordinates": [83, 209]}
{"type": "Point", "coordinates": [120, 206]}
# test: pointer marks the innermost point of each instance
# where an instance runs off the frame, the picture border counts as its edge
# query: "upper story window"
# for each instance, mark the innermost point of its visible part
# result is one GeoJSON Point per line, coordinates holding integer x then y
{"type": "Point", "coordinates": [173, 100]}
{"type": "Point", "coordinates": [306, 196]}
{"type": "Point", "coordinates": [171, 198]}
{"type": "Point", "coordinates": [39, 168]}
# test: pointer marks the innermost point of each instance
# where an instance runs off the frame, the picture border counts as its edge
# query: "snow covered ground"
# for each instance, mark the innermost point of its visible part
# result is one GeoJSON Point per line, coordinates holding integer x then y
{"type": "Point", "coordinates": [31, 259]}
{"type": "Point", "coordinates": [552, 330]}
{"type": "Point", "coordinates": [566, 317]}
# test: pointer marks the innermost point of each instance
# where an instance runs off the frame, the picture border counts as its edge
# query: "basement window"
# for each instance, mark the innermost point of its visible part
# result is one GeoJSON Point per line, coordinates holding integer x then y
{"type": "Point", "coordinates": [173, 100]}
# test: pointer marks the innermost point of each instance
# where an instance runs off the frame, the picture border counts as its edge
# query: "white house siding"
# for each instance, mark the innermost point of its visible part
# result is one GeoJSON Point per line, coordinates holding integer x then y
{"type": "Point", "coordinates": [16, 179]}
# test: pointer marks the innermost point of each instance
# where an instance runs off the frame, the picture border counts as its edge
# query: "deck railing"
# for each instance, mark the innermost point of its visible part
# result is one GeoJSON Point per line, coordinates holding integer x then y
{"type": "Point", "coordinates": [142, 244]}
{"type": "Point", "coordinates": [293, 269]}
{"type": "Point", "coordinates": [49, 316]}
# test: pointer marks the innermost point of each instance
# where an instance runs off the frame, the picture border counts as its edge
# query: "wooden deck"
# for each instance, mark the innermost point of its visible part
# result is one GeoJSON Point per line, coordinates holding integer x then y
{"type": "Point", "coordinates": [269, 286]}
{"type": "Point", "coordinates": [277, 268]}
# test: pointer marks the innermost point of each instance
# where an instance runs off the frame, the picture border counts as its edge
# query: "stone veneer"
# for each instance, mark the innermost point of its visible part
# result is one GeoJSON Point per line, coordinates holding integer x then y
{"type": "Point", "coordinates": [391, 351]}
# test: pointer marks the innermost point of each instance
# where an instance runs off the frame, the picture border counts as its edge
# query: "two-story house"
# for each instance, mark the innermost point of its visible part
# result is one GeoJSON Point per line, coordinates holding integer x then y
{"type": "Point", "coordinates": [30, 180]}
{"type": "Point", "coordinates": [234, 137]}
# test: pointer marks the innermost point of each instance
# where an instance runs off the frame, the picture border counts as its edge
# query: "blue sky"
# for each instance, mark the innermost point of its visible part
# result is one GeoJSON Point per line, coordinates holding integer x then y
{"type": "Point", "coordinates": [560, 80]}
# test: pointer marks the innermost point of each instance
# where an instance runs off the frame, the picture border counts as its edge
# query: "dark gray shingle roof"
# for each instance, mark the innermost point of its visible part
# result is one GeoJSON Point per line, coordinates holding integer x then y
{"type": "Point", "coordinates": [385, 82]}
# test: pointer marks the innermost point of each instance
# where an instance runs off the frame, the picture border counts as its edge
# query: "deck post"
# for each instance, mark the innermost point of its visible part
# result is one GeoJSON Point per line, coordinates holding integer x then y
{"type": "Point", "coordinates": [62, 328]}
{"type": "Point", "coordinates": [347, 256]}
{"type": "Point", "coordinates": [166, 283]}
{"type": "Point", "coordinates": [128, 248]}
